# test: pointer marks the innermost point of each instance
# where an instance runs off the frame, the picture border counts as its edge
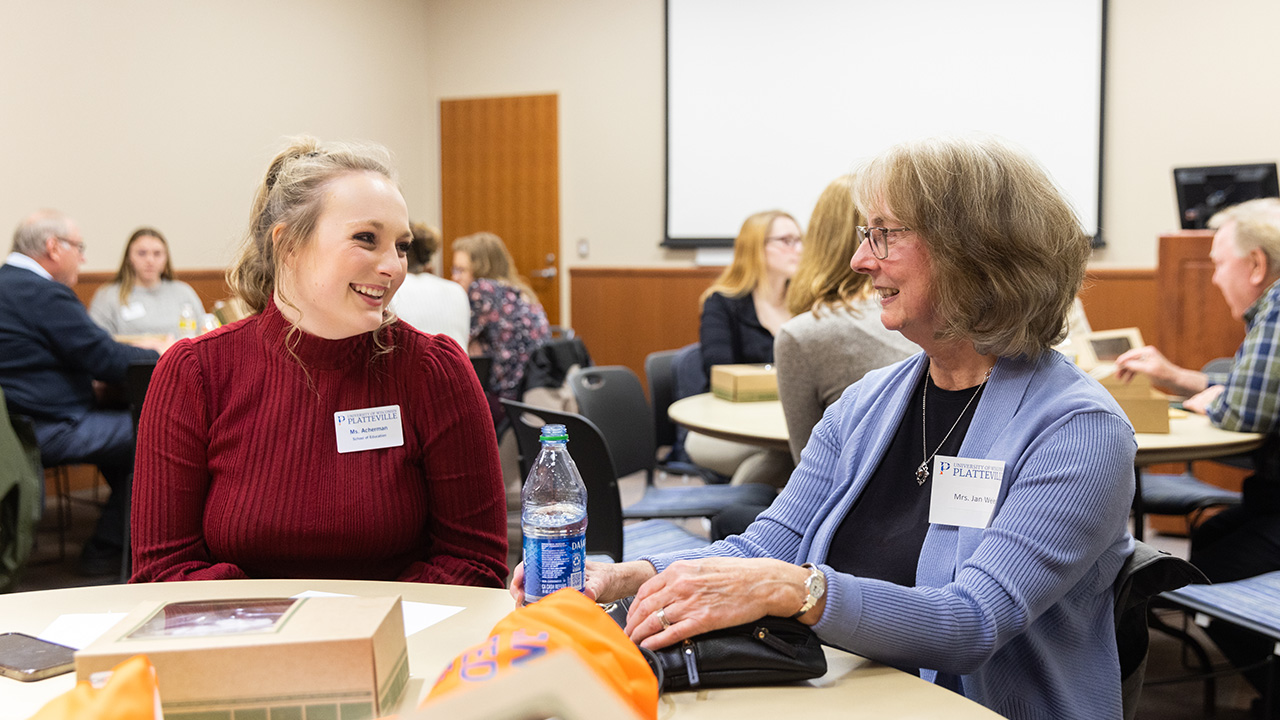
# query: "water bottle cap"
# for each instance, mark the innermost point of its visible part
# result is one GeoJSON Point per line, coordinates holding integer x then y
{"type": "Point", "coordinates": [554, 433]}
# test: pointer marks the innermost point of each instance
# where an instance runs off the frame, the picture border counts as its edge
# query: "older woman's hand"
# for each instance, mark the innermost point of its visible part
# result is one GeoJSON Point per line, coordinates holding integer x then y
{"type": "Point", "coordinates": [695, 596]}
{"type": "Point", "coordinates": [605, 582]}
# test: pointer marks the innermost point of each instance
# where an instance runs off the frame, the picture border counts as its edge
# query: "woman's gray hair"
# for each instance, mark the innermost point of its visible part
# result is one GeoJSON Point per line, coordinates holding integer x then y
{"type": "Point", "coordinates": [1006, 250]}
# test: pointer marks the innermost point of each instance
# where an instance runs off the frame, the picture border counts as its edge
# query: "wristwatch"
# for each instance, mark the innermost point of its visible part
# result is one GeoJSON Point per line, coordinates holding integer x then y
{"type": "Point", "coordinates": [815, 585]}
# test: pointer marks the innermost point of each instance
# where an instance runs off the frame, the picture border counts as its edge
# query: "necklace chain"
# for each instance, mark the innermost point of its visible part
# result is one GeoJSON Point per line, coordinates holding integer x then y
{"type": "Point", "coordinates": [922, 472]}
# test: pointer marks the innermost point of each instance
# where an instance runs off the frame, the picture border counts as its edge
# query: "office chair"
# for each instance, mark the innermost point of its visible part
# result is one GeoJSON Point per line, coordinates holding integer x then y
{"type": "Point", "coordinates": [612, 398]}
{"type": "Point", "coordinates": [606, 533]}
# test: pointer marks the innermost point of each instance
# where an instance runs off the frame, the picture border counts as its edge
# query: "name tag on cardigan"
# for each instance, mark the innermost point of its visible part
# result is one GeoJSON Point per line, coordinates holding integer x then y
{"type": "Point", "coordinates": [132, 311]}
{"type": "Point", "coordinates": [368, 429]}
{"type": "Point", "coordinates": [964, 491]}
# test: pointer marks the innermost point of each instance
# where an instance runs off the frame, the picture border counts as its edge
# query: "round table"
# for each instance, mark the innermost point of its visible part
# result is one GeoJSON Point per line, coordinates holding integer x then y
{"type": "Point", "coordinates": [754, 423]}
{"type": "Point", "coordinates": [853, 686]}
{"type": "Point", "coordinates": [1192, 437]}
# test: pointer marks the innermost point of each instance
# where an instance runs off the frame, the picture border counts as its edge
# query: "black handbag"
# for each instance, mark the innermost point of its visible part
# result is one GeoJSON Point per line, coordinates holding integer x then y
{"type": "Point", "coordinates": [768, 651]}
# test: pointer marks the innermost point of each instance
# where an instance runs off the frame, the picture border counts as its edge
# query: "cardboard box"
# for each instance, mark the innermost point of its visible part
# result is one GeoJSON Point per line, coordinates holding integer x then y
{"type": "Point", "coordinates": [1147, 408]}
{"type": "Point", "coordinates": [744, 383]}
{"type": "Point", "coordinates": [317, 657]}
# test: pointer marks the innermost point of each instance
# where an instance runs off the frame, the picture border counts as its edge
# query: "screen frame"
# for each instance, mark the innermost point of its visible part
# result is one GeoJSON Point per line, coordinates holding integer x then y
{"type": "Point", "coordinates": [1097, 239]}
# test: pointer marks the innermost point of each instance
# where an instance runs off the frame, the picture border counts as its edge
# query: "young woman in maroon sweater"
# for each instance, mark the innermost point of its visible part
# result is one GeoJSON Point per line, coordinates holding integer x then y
{"type": "Point", "coordinates": [320, 437]}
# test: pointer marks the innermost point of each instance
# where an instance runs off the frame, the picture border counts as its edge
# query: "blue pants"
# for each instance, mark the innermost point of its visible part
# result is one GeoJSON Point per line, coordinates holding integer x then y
{"type": "Point", "coordinates": [103, 438]}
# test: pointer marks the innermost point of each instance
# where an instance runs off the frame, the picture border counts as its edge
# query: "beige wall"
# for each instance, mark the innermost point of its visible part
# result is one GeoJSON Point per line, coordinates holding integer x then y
{"type": "Point", "coordinates": [1188, 83]}
{"type": "Point", "coordinates": [125, 113]}
{"type": "Point", "coordinates": [150, 111]}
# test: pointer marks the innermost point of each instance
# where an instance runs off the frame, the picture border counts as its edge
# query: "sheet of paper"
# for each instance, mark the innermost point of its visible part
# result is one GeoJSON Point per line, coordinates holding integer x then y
{"type": "Point", "coordinates": [77, 630]}
{"type": "Point", "coordinates": [418, 616]}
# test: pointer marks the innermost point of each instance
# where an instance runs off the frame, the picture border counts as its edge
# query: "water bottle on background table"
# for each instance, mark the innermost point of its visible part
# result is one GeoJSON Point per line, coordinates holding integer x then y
{"type": "Point", "coordinates": [554, 519]}
{"type": "Point", "coordinates": [187, 321]}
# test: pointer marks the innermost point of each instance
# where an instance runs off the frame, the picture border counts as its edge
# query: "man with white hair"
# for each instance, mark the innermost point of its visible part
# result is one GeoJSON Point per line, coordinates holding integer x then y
{"type": "Point", "coordinates": [50, 354]}
{"type": "Point", "coordinates": [1241, 541]}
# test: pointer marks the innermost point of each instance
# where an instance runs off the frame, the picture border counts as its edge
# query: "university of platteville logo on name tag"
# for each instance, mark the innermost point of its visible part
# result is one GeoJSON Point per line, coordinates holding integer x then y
{"type": "Point", "coordinates": [368, 429]}
{"type": "Point", "coordinates": [964, 491]}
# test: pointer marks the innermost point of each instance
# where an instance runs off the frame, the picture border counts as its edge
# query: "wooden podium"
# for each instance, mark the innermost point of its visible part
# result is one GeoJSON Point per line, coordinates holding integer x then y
{"type": "Point", "coordinates": [1195, 326]}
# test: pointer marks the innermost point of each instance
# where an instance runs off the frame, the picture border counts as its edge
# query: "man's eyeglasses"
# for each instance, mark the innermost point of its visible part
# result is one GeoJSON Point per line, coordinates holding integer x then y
{"type": "Point", "coordinates": [791, 241]}
{"type": "Point", "coordinates": [77, 244]}
{"type": "Point", "coordinates": [879, 238]}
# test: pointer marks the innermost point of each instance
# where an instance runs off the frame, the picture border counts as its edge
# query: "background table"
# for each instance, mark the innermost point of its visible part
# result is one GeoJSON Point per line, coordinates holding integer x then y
{"type": "Point", "coordinates": [754, 423]}
{"type": "Point", "coordinates": [1192, 437]}
{"type": "Point", "coordinates": [854, 687]}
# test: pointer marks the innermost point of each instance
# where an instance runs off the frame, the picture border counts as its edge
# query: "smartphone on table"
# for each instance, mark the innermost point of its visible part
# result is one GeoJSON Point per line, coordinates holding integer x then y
{"type": "Point", "coordinates": [27, 658]}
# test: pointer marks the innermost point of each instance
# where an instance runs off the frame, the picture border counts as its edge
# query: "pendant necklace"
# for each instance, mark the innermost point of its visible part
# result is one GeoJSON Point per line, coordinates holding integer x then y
{"type": "Point", "coordinates": [922, 472]}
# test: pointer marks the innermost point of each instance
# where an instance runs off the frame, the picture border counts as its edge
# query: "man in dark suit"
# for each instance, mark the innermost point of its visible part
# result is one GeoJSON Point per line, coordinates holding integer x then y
{"type": "Point", "coordinates": [51, 353]}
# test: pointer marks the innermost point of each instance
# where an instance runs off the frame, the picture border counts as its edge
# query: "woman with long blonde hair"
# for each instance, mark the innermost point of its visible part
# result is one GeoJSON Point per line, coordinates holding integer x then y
{"type": "Point", "coordinates": [741, 312]}
{"type": "Point", "coordinates": [836, 336]}
{"type": "Point", "coordinates": [746, 306]}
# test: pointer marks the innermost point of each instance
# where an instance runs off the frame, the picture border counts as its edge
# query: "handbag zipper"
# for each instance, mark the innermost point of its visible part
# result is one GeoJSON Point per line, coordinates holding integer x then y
{"type": "Point", "coordinates": [690, 663]}
{"type": "Point", "coordinates": [763, 635]}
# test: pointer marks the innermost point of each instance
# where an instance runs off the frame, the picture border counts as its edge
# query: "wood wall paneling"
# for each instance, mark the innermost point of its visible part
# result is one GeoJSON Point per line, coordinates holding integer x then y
{"type": "Point", "coordinates": [1120, 298]}
{"type": "Point", "coordinates": [210, 285]}
{"type": "Point", "coordinates": [1196, 325]}
{"type": "Point", "coordinates": [623, 314]}
{"type": "Point", "coordinates": [500, 173]}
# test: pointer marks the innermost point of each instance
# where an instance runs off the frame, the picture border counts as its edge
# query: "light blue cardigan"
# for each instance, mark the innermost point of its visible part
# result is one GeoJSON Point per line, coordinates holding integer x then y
{"type": "Point", "coordinates": [1018, 617]}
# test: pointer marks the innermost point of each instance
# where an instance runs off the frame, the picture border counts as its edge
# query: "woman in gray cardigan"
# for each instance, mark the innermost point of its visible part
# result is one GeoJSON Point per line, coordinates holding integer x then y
{"type": "Point", "coordinates": [836, 336]}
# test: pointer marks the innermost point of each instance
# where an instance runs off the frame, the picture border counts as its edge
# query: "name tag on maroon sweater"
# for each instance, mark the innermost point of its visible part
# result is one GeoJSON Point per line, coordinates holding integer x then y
{"type": "Point", "coordinates": [368, 429]}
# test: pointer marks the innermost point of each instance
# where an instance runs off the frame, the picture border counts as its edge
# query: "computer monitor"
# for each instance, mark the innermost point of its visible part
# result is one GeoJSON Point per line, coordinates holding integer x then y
{"type": "Point", "coordinates": [1203, 191]}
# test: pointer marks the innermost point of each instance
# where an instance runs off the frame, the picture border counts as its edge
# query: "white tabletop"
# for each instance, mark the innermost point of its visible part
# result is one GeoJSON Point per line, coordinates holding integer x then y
{"type": "Point", "coordinates": [1190, 436]}
{"type": "Point", "coordinates": [754, 423]}
{"type": "Point", "coordinates": [853, 686]}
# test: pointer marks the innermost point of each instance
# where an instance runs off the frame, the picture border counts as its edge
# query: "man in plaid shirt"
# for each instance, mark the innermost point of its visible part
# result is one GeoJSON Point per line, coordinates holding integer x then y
{"type": "Point", "coordinates": [1241, 541]}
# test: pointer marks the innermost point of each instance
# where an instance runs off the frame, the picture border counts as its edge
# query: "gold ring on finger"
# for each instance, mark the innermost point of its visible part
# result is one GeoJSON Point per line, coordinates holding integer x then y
{"type": "Point", "coordinates": [662, 618]}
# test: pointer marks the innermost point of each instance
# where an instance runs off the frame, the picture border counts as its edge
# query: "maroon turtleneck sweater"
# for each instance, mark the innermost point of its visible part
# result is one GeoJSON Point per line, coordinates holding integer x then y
{"type": "Point", "coordinates": [238, 473]}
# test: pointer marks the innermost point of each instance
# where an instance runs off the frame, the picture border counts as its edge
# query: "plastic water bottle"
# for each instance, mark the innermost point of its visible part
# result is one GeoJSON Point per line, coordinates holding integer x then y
{"type": "Point", "coordinates": [554, 519]}
{"type": "Point", "coordinates": [187, 321]}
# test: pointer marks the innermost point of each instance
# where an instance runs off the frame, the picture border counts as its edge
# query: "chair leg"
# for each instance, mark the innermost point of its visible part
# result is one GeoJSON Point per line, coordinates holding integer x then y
{"type": "Point", "coordinates": [62, 512]}
{"type": "Point", "coordinates": [1190, 643]}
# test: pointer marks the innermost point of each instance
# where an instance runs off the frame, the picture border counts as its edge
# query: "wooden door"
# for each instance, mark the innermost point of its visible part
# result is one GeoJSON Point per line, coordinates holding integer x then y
{"type": "Point", "coordinates": [500, 172]}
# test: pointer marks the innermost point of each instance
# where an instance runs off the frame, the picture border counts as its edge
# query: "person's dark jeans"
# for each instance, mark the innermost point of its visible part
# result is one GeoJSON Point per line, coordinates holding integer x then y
{"type": "Point", "coordinates": [1235, 544]}
{"type": "Point", "coordinates": [101, 438]}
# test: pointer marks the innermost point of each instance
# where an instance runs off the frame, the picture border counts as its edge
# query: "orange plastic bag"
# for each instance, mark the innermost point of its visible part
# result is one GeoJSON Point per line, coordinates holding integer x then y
{"type": "Point", "coordinates": [129, 694]}
{"type": "Point", "coordinates": [563, 619]}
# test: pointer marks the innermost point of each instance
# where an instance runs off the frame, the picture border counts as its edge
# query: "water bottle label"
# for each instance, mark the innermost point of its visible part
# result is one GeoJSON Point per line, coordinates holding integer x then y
{"type": "Point", "coordinates": [551, 564]}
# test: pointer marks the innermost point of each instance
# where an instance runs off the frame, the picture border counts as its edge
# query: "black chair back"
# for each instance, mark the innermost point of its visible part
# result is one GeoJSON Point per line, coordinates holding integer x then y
{"type": "Point", "coordinates": [611, 397]}
{"type": "Point", "coordinates": [590, 453]}
{"type": "Point", "coordinates": [483, 365]}
{"type": "Point", "coordinates": [1145, 574]}
{"type": "Point", "coordinates": [137, 380]}
{"type": "Point", "coordinates": [659, 371]}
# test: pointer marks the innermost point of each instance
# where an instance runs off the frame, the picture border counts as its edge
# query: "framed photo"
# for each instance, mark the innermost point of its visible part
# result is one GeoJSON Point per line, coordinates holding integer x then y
{"type": "Point", "coordinates": [1102, 347]}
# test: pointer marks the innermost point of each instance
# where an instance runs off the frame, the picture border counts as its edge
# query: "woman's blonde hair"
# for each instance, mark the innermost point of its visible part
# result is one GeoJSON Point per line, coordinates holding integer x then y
{"type": "Point", "coordinates": [747, 268]}
{"type": "Point", "coordinates": [825, 280]}
{"type": "Point", "coordinates": [491, 259]}
{"type": "Point", "coordinates": [291, 196]}
{"type": "Point", "coordinates": [1007, 252]}
{"type": "Point", "coordinates": [126, 276]}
